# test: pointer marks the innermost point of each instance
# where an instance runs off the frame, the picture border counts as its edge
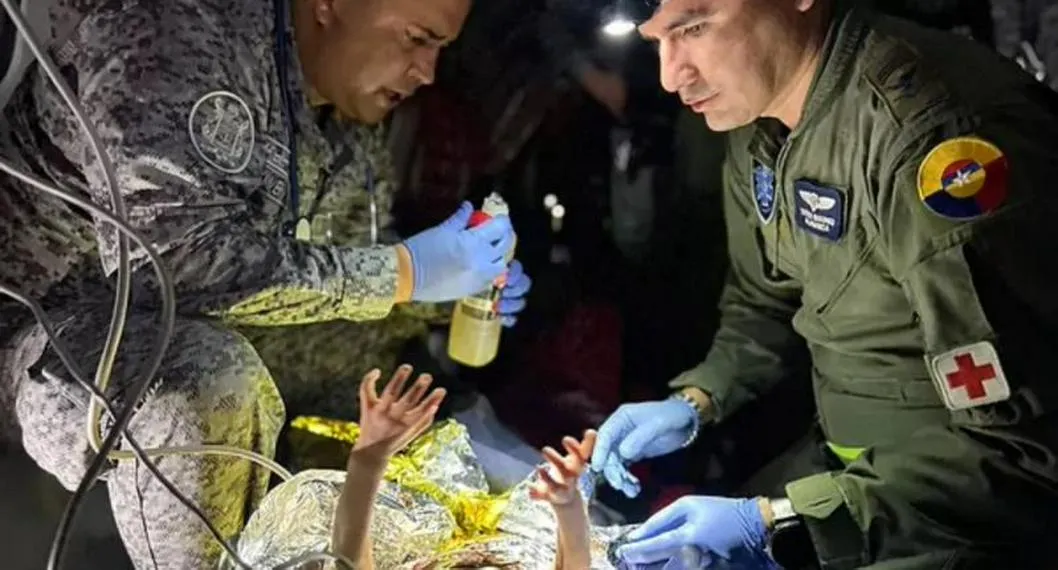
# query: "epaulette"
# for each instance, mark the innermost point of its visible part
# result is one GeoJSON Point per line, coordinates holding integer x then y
{"type": "Point", "coordinates": [902, 78]}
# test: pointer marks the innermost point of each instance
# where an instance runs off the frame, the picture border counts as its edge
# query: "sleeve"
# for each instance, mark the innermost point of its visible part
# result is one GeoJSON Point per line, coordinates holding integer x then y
{"type": "Point", "coordinates": [975, 264]}
{"type": "Point", "coordinates": [756, 345]}
{"type": "Point", "coordinates": [139, 74]}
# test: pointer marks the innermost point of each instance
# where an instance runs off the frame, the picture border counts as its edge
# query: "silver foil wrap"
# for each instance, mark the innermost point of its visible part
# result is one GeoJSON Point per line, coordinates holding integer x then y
{"type": "Point", "coordinates": [412, 530]}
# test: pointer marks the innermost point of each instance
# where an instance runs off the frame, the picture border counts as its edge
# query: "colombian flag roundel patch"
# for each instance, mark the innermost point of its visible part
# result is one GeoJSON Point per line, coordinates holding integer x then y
{"type": "Point", "coordinates": [963, 178]}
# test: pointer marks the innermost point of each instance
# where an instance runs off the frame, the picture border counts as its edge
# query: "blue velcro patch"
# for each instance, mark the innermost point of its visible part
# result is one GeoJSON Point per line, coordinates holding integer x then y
{"type": "Point", "coordinates": [819, 210]}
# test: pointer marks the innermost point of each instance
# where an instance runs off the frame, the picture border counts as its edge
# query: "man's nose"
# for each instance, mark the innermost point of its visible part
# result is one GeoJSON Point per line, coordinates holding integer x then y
{"type": "Point", "coordinates": [424, 65]}
{"type": "Point", "coordinates": [676, 71]}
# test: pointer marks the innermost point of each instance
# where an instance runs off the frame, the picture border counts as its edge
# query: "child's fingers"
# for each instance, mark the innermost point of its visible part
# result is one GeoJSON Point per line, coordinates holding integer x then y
{"type": "Point", "coordinates": [587, 445]}
{"type": "Point", "coordinates": [574, 452]}
{"type": "Point", "coordinates": [395, 387]}
{"type": "Point", "coordinates": [432, 401]}
{"type": "Point", "coordinates": [544, 475]}
{"type": "Point", "coordinates": [414, 394]}
{"type": "Point", "coordinates": [421, 424]}
{"type": "Point", "coordinates": [369, 389]}
{"type": "Point", "coordinates": [559, 464]}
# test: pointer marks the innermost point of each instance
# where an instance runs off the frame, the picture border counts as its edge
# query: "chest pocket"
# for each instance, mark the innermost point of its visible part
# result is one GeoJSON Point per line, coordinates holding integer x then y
{"type": "Point", "coordinates": [831, 247]}
{"type": "Point", "coordinates": [847, 285]}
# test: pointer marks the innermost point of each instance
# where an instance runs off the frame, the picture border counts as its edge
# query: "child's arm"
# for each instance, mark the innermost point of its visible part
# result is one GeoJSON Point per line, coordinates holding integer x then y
{"type": "Point", "coordinates": [558, 486]}
{"type": "Point", "coordinates": [387, 424]}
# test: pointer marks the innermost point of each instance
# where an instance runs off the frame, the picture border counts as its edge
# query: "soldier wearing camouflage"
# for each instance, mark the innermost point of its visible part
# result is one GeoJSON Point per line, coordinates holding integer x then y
{"type": "Point", "coordinates": [188, 105]}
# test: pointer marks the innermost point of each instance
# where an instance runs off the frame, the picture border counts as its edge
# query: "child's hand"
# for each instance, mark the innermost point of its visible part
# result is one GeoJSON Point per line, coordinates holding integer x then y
{"type": "Point", "coordinates": [391, 421]}
{"type": "Point", "coordinates": [558, 484]}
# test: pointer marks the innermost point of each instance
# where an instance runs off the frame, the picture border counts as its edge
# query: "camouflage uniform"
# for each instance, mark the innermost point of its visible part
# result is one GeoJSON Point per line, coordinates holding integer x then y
{"type": "Point", "coordinates": [186, 101]}
{"type": "Point", "coordinates": [318, 366]}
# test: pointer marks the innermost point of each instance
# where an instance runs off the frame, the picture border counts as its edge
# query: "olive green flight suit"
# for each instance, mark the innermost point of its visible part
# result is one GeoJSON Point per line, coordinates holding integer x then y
{"type": "Point", "coordinates": [933, 328]}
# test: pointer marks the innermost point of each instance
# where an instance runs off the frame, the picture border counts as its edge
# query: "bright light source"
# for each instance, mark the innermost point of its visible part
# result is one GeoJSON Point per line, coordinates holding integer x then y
{"type": "Point", "coordinates": [558, 211]}
{"type": "Point", "coordinates": [618, 26]}
{"type": "Point", "coordinates": [550, 200]}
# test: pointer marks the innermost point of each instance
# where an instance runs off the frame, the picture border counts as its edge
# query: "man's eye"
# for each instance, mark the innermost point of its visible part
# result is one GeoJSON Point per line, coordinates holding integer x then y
{"type": "Point", "coordinates": [693, 31]}
{"type": "Point", "coordinates": [416, 39]}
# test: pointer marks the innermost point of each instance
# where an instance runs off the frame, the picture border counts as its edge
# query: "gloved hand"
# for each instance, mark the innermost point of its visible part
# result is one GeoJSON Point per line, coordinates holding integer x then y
{"type": "Point", "coordinates": [731, 532]}
{"type": "Point", "coordinates": [450, 262]}
{"type": "Point", "coordinates": [640, 431]}
{"type": "Point", "coordinates": [512, 297]}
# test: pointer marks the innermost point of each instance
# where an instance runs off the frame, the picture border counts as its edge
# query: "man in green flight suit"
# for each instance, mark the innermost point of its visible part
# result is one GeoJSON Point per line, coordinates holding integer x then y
{"type": "Point", "coordinates": [887, 204]}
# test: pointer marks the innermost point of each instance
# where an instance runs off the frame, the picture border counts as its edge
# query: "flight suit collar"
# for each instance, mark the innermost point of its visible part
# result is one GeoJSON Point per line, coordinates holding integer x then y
{"type": "Point", "coordinates": [845, 35]}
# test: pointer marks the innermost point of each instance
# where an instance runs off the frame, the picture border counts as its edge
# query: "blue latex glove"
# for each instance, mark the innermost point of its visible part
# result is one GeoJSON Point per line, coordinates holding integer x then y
{"type": "Point", "coordinates": [450, 261]}
{"type": "Point", "coordinates": [640, 431]}
{"type": "Point", "coordinates": [730, 532]}
{"type": "Point", "coordinates": [512, 297]}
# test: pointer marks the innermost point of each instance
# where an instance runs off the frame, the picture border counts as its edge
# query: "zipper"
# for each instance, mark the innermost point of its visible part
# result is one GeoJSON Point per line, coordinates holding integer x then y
{"type": "Point", "coordinates": [779, 194]}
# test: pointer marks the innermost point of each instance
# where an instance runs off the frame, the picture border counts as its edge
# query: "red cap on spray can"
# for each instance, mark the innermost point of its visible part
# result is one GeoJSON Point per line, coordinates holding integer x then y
{"type": "Point", "coordinates": [478, 218]}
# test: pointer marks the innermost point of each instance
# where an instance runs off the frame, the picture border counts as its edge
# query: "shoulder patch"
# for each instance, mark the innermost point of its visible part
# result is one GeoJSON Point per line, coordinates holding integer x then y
{"type": "Point", "coordinates": [969, 376]}
{"type": "Point", "coordinates": [900, 77]}
{"type": "Point", "coordinates": [221, 128]}
{"type": "Point", "coordinates": [963, 178]}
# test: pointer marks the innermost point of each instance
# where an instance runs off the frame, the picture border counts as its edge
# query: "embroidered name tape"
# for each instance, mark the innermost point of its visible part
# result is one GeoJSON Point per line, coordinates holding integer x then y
{"type": "Point", "coordinates": [819, 210]}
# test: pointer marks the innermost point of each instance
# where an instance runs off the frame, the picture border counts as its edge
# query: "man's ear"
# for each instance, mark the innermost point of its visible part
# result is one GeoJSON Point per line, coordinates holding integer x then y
{"type": "Point", "coordinates": [324, 11]}
{"type": "Point", "coordinates": [804, 5]}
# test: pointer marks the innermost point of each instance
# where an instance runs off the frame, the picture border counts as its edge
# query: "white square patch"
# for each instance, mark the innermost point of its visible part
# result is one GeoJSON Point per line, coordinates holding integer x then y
{"type": "Point", "coordinates": [970, 376]}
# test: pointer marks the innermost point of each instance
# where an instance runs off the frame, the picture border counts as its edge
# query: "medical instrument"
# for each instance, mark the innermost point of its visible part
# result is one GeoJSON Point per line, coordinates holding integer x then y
{"type": "Point", "coordinates": [474, 336]}
{"type": "Point", "coordinates": [106, 449]}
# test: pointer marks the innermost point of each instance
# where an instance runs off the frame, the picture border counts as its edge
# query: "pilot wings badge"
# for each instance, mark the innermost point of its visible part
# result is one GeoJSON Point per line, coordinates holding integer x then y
{"type": "Point", "coordinates": [815, 201]}
{"type": "Point", "coordinates": [819, 210]}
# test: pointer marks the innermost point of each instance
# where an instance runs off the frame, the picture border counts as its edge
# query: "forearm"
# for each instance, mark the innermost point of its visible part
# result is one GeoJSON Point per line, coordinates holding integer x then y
{"type": "Point", "coordinates": [751, 353]}
{"type": "Point", "coordinates": [574, 536]}
{"type": "Point", "coordinates": [258, 280]}
{"type": "Point", "coordinates": [352, 518]}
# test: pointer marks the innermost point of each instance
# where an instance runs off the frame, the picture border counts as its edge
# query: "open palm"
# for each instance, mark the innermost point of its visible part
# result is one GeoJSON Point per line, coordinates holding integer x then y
{"type": "Point", "coordinates": [390, 421]}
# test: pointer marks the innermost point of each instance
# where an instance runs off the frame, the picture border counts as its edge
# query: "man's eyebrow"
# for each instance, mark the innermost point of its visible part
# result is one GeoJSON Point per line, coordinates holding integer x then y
{"type": "Point", "coordinates": [687, 16]}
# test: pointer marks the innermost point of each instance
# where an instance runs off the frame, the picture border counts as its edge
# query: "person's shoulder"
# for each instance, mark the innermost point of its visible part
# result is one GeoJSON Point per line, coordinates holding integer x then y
{"type": "Point", "coordinates": [898, 71]}
{"type": "Point", "coordinates": [928, 83]}
{"type": "Point", "coordinates": [148, 25]}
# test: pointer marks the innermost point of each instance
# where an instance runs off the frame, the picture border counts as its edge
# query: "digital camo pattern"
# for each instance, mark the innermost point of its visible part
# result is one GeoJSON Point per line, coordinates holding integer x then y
{"type": "Point", "coordinates": [139, 69]}
{"type": "Point", "coordinates": [318, 366]}
{"type": "Point", "coordinates": [214, 389]}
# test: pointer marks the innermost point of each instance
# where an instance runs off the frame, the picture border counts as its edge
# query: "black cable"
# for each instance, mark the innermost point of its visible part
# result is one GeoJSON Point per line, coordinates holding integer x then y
{"type": "Point", "coordinates": [64, 356]}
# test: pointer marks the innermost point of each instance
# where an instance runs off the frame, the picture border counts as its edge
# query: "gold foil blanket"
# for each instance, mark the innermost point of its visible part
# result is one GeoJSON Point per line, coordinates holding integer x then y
{"type": "Point", "coordinates": [434, 510]}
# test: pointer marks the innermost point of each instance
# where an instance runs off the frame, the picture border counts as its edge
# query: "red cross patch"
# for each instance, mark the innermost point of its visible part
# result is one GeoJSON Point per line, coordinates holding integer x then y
{"type": "Point", "coordinates": [970, 376]}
